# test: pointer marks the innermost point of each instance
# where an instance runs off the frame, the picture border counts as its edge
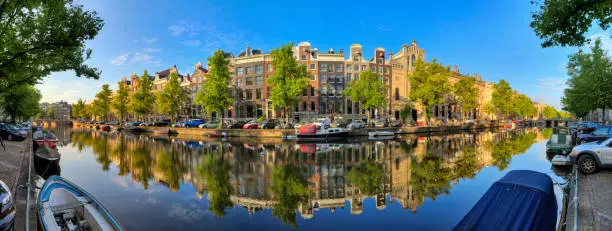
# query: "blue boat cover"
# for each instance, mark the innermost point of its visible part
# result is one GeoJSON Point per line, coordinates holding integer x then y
{"type": "Point", "coordinates": [521, 200]}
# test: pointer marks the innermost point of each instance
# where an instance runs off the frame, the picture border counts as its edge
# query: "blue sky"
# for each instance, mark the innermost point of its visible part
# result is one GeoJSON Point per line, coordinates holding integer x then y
{"type": "Point", "coordinates": [491, 38]}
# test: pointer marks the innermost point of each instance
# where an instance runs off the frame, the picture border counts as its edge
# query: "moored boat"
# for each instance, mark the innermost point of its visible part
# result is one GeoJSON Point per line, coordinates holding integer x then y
{"type": "Point", "coordinates": [321, 131]}
{"type": "Point", "coordinates": [46, 155]}
{"type": "Point", "coordinates": [44, 137]}
{"type": "Point", "coordinates": [381, 133]}
{"type": "Point", "coordinates": [62, 205]}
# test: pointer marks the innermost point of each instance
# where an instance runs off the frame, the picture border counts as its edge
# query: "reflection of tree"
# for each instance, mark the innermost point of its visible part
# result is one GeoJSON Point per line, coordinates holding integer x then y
{"type": "Point", "coordinates": [215, 170]}
{"type": "Point", "coordinates": [119, 153]}
{"type": "Point", "coordinates": [142, 163]}
{"type": "Point", "coordinates": [547, 133]}
{"type": "Point", "coordinates": [466, 165]}
{"type": "Point", "coordinates": [430, 178]}
{"type": "Point", "coordinates": [503, 150]}
{"type": "Point", "coordinates": [169, 166]}
{"type": "Point", "coordinates": [369, 177]}
{"type": "Point", "coordinates": [100, 148]}
{"type": "Point", "coordinates": [289, 188]}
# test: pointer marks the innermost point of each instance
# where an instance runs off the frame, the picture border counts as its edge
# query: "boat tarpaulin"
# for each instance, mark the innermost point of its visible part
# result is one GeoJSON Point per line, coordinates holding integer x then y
{"type": "Point", "coordinates": [521, 200]}
{"type": "Point", "coordinates": [308, 129]}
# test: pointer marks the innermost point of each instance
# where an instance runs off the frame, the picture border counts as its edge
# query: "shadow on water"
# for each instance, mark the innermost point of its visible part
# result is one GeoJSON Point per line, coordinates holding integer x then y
{"type": "Point", "coordinates": [291, 179]}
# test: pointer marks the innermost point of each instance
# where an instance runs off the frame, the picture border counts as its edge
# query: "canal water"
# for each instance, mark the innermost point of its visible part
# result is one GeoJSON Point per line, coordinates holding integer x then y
{"type": "Point", "coordinates": [184, 183]}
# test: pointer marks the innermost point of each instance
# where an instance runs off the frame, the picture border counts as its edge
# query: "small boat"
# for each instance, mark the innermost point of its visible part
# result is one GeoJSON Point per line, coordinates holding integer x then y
{"type": "Point", "coordinates": [521, 200]}
{"type": "Point", "coordinates": [132, 129]}
{"type": "Point", "coordinates": [560, 142]}
{"type": "Point", "coordinates": [381, 133]}
{"type": "Point", "coordinates": [43, 137]}
{"type": "Point", "coordinates": [106, 128]}
{"type": "Point", "coordinates": [64, 206]}
{"type": "Point", "coordinates": [561, 160]}
{"type": "Point", "coordinates": [216, 134]}
{"type": "Point", "coordinates": [321, 131]}
{"type": "Point", "coordinates": [45, 154]}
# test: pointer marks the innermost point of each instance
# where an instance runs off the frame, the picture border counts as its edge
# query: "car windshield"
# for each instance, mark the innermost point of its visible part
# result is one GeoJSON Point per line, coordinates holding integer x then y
{"type": "Point", "coordinates": [604, 141]}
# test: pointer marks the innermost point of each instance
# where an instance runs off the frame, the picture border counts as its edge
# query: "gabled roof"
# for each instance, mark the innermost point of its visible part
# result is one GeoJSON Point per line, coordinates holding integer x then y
{"type": "Point", "coordinates": [253, 52]}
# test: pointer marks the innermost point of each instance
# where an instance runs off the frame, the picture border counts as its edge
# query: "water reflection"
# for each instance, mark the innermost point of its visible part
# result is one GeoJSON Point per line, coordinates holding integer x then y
{"type": "Point", "coordinates": [290, 179]}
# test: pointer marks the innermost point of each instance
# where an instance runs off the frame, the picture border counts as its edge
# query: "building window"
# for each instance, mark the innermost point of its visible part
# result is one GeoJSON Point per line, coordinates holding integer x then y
{"type": "Point", "coordinates": [373, 68]}
{"type": "Point", "coordinates": [313, 66]}
{"type": "Point", "coordinates": [380, 61]}
{"type": "Point", "coordinates": [305, 92]}
{"type": "Point", "coordinates": [249, 81]}
{"type": "Point", "coordinates": [363, 67]}
{"type": "Point", "coordinates": [269, 67]}
{"type": "Point", "coordinates": [259, 69]}
{"type": "Point", "coordinates": [323, 76]}
{"type": "Point", "coordinates": [259, 80]}
{"type": "Point", "coordinates": [348, 67]}
{"type": "Point", "coordinates": [323, 67]}
{"type": "Point", "coordinates": [257, 93]}
{"type": "Point", "coordinates": [304, 106]}
{"type": "Point", "coordinates": [339, 67]}
{"type": "Point", "coordinates": [239, 82]}
{"type": "Point", "coordinates": [380, 70]}
{"type": "Point", "coordinates": [313, 77]}
{"type": "Point", "coordinates": [356, 58]}
{"type": "Point", "coordinates": [386, 70]}
{"type": "Point", "coordinates": [323, 91]}
{"type": "Point", "coordinates": [312, 91]}
{"type": "Point", "coordinates": [396, 93]}
{"type": "Point", "coordinates": [356, 67]}
{"type": "Point", "coordinates": [312, 106]}
{"type": "Point", "coordinates": [303, 57]}
{"type": "Point", "coordinates": [249, 94]}
{"type": "Point", "coordinates": [239, 71]}
{"type": "Point", "coordinates": [413, 60]}
{"type": "Point", "coordinates": [356, 76]}
{"type": "Point", "coordinates": [339, 78]}
{"type": "Point", "coordinates": [330, 68]}
{"type": "Point", "coordinates": [348, 77]}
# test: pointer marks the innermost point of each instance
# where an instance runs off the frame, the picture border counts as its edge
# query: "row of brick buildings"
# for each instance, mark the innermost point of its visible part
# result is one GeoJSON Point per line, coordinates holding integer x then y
{"type": "Point", "coordinates": [330, 72]}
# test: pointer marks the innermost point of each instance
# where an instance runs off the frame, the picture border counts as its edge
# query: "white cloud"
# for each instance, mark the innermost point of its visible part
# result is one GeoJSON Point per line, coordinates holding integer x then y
{"type": "Point", "coordinates": [144, 58]}
{"type": "Point", "coordinates": [65, 86]}
{"type": "Point", "coordinates": [188, 213]}
{"type": "Point", "coordinates": [606, 41]}
{"type": "Point", "coordinates": [192, 43]}
{"type": "Point", "coordinates": [152, 50]}
{"type": "Point", "coordinates": [146, 40]}
{"type": "Point", "coordinates": [119, 60]}
{"type": "Point", "coordinates": [551, 84]}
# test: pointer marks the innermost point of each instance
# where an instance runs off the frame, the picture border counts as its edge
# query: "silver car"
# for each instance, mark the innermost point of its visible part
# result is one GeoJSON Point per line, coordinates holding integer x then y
{"type": "Point", "coordinates": [591, 156]}
{"type": "Point", "coordinates": [7, 208]}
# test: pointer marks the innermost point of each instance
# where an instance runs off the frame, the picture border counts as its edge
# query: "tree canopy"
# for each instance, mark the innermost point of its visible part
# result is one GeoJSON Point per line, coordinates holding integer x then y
{"type": "Point", "coordinates": [101, 104]}
{"type": "Point", "coordinates": [39, 37]}
{"type": "Point", "coordinates": [170, 100]}
{"type": "Point", "coordinates": [522, 106]}
{"type": "Point", "coordinates": [368, 90]}
{"type": "Point", "coordinates": [289, 79]}
{"type": "Point", "coordinates": [20, 102]}
{"type": "Point", "coordinates": [121, 100]}
{"type": "Point", "coordinates": [216, 93]}
{"type": "Point", "coordinates": [466, 93]}
{"type": "Point", "coordinates": [590, 81]}
{"type": "Point", "coordinates": [78, 110]}
{"type": "Point", "coordinates": [564, 22]}
{"type": "Point", "coordinates": [429, 84]}
{"type": "Point", "coordinates": [141, 101]}
{"type": "Point", "coordinates": [502, 98]}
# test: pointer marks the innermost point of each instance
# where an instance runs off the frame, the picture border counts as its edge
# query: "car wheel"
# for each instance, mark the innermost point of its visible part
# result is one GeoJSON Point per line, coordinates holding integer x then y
{"type": "Point", "coordinates": [10, 137]}
{"type": "Point", "coordinates": [587, 164]}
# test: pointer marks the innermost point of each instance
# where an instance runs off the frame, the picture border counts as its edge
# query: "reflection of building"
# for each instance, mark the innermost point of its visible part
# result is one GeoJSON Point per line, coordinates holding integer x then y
{"type": "Point", "coordinates": [326, 167]}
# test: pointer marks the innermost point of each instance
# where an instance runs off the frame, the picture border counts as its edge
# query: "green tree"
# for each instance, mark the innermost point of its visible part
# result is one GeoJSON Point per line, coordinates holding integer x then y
{"type": "Point", "coordinates": [466, 93]}
{"type": "Point", "coordinates": [50, 114]}
{"type": "Point", "coordinates": [78, 110]}
{"type": "Point", "coordinates": [429, 84]}
{"type": "Point", "coordinates": [405, 113]}
{"type": "Point", "coordinates": [170, 100]}
{"type": "Point", "coordinates": [39, 37]}
{"type": "Point", "coordinates": [121, 100]}
{"type": "Point", "coordinates": [215, 95]}
{"type": "Point", "coordinates": [564, 22]}
{"type": "Point", "coordinates": [550, 112]}
{"type": "Point", "coordinates": [101, 104]}
{"type": "Point", "coordinates": [502, 98]}
{"type": "Point", "coordinates": [289, 188]}
{"type": "Point", "coordinates": [216, 170]}
{"type": "Point", "coordinates": [142, 100]}
{"type": "Point", "coordinates": [590, 81]}
{"type": "Point", "coordinates": [368, 90]}
{"type": "Point", "coordinates": [523, 106]}
{"type": "Point", "coordinates": [289, 79]}
{"type": "Point", "coordinates": [21, 102]}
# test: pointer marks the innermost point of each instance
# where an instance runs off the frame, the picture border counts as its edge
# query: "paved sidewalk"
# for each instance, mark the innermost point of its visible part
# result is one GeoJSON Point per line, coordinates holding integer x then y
{"type": "Point", "coordinates": [594, 202]}
{"type": "Point", "coordinates": [11, 162]}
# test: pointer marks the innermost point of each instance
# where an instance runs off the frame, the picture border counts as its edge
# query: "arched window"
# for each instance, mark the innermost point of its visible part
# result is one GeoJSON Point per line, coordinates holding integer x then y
{"type": "Point", "coordinates": [312, 106]}
{"type": "Point", "coordinates": [304, 106]}
{"type": "Point", "coordinates": [413, 60]}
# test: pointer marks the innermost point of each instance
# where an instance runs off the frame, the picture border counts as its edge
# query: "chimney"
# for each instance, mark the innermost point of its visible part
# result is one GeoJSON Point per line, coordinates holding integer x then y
{"type": "Point", "coordinates": [414, 42]}
{"type": "Point", "coordinates": [341, 51]}
{"type": "Point", "coordinates": [248, 51]}
{"type": "Point", "coordinates": [455, 69]}
{"type": "Point", "coordinates": [475, 76]}
{"type": "Point", "coordinates": [331, 51]}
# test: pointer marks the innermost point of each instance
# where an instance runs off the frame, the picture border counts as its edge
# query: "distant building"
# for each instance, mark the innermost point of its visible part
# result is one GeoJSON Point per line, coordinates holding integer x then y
{"type": "Point", "coordinates": [62, 110]}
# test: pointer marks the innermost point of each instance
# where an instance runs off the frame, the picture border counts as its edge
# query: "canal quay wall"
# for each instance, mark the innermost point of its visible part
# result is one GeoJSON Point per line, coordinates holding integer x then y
{"type": "Point", "coordinates": [14, 163]}
{"type": "Point", "coordinates": [594, 202]}
{"type": "Point", "coordinates": [277, 133]}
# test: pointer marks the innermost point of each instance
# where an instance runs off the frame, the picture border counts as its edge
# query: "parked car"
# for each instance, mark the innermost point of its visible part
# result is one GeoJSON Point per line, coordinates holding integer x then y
{"type": "Point", "coordinates": [356, 124]}
{"type": "Point", "coordinates": [591, 156]}
{"type": "Point", "coordinates": [237, 124]}
{"type": "Point", "coordinates": [269, 124]}
{"type": "Point", "coordinates": [381, 123]}
{"type": "Point", "coordinates": [147, 123]}
{"type": "Point", "coordinates": [210, 124]}
{"type": "Point", "coordinates": [192, 123]}
{"type": "Point", "coordinates": [588, 127]}
{"type": "Point", "coordinates": [161, 123]}
{"type": "Point", "coordinates": [7, 208]}
{"type": "Point", "coordinates": [10, 132]}
{"type": "Point", "coordinates": [395, 123]}
{"type": "Point", "coordinates": [177, 125]}
{"type": "Point", "coordinates": [597, 135]}
{"type": "Point", "coordinates": [251, 125]}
